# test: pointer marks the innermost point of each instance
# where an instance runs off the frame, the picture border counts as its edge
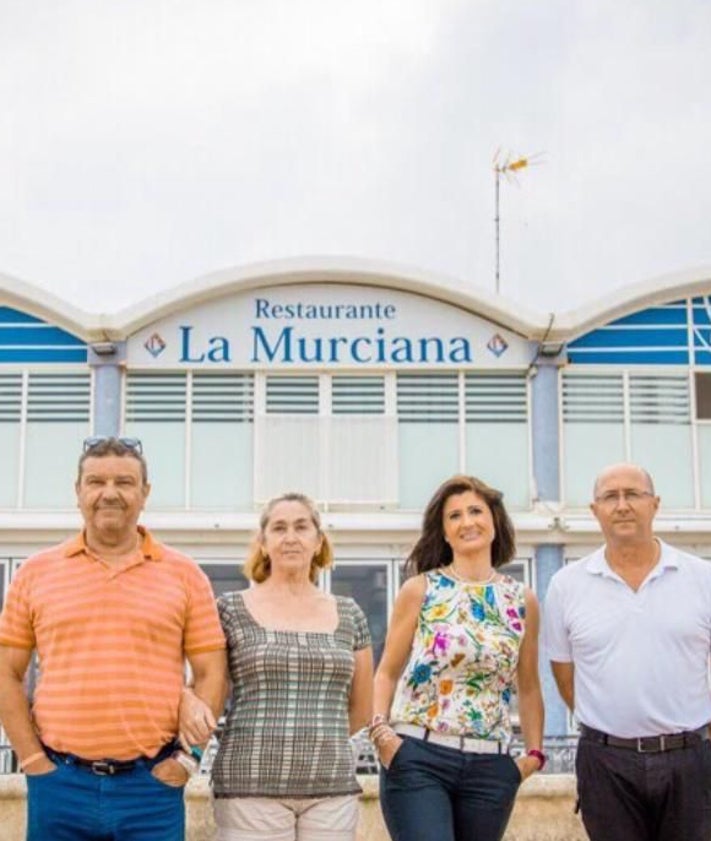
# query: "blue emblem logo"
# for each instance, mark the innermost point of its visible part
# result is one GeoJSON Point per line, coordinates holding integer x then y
{"type": "Point", "coordinates": [497, 345]}
{"type": "Point", "coordinates": [154, 345]}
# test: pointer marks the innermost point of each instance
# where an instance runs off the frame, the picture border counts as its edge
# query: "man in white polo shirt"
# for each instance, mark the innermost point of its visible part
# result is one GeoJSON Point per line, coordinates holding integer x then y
{"type": "Point", "coordinates": [628, 632]}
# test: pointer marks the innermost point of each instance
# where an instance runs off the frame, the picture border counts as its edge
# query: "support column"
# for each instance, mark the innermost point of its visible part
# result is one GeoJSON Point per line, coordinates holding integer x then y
{"type": "Point", "coordinates": [106, 359]}
{"type": "Point", "coordinates": [544, 429]}
{"type": "Point", "coordinates": [549, 559]}
{"type": "Point", "coordinates": [546, 472]}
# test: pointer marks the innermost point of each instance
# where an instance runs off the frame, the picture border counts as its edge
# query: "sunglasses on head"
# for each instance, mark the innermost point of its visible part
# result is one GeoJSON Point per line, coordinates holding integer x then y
{"type": "Point", "coordinates": [131, 443]}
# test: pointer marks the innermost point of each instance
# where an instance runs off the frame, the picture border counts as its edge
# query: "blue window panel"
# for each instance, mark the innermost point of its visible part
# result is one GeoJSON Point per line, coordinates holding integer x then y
{"type": "Point", "coordinates": [702, 357]}
{"type": "Point", "coordinates": [632, 339]}
{"type": "Point", "coordinates": [10, 316]}
{"type": "Point", "coordinates": [25, 338]}
{"type": "Point", "coordinates": [655, 316]}
{"type": "Point", "coordinates": [42, 335]}
{"type": "Point", "coordinates": [629, 357]}
{"type": "Point", "coordinates": [702, 312]}
{"type": "Point", "coordinates": [12, 355]}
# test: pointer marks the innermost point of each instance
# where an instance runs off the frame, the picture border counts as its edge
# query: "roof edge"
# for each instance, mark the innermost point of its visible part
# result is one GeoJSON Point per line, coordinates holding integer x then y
{"type": "Point", "coordinates": [31, 299]}
{"type": "Point", "coordinates": [327, 269]}
{"type": "Point", "coordinates": [660, 289]}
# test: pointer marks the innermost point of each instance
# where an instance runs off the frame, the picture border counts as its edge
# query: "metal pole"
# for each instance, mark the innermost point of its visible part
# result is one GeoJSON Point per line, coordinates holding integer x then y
{"type": "Point", "coordinates": [497, 176]}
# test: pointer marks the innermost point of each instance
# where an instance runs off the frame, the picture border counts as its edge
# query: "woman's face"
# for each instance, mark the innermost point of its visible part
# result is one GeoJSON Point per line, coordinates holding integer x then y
{"type": "Point", "coordinates": [290, 537]}
{"type": "Point", "coordinates": [468, 524]}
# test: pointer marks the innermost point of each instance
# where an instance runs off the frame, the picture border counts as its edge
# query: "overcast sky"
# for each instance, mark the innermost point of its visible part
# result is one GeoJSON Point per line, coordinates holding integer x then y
{"type": "Point", "coordinates": [147, 143]}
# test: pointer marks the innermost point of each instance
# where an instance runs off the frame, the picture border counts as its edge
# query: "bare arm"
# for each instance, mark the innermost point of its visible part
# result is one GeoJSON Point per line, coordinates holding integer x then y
{"type": "Point", "coordinates": [564, 674]}
{"type": "Point", "coordinates": [398, 645]}
{"type": "Point", "coordinates": [15, 709]}
{"type": "Point", "coordinates": [203, 702]}
{"type": "Point", "coordinates": [360, 702]}
{"type": "Point", "coordinates": [530, 697]}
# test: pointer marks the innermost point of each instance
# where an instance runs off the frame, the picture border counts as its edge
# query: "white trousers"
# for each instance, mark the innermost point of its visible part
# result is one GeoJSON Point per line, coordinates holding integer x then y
{"type": "Point", "coordinates": [293, 819]}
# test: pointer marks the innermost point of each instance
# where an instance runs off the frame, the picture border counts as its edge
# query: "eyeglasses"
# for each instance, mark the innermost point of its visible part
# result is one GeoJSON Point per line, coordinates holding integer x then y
{"type": "Point", "coordinates": [630, 496]}
{"type": "Point", "coordinates": [130, 443]}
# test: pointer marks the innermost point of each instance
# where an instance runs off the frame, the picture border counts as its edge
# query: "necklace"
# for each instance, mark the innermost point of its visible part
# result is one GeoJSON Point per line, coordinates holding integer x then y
{"type": "Point", "coordinates": [464, 580]}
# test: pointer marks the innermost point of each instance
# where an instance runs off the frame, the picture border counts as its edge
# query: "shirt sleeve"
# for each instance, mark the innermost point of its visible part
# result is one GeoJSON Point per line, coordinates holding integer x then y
{"type": "Point", "coordinates": [361, 635]}
{"type": "Point", "coordinates": [556, 641]}
{"type": "Point", "coordinates": [16, 618]}
{"type": "Point", "coordinates": [203, 631]}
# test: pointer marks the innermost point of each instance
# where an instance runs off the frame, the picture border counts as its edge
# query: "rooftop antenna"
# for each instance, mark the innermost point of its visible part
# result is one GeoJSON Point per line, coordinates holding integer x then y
{"type": "Point", "coordinates": [507, 165]}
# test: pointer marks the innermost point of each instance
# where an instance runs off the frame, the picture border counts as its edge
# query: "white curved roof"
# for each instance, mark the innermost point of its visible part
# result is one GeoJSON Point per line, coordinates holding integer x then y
{"type": "Point", "coordinates": [30, 299]}
{"type": "Point", "coordinates": [564, 326]}
{"type": "Point", "coordinates": [639, 296]}
{"type": "Point", "coordinates": [342, 270]}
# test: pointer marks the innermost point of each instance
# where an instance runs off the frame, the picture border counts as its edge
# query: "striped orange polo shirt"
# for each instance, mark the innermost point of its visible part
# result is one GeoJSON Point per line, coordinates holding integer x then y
{"type": "Point", "coordinates": [111, 644]}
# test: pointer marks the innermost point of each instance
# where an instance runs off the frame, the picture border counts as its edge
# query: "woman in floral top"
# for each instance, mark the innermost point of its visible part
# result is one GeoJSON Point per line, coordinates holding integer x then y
{"type": "Point", "coordinates": [461, 637]}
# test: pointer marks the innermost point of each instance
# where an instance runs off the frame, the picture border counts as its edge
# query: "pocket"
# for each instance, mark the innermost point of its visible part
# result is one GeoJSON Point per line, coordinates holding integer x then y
{"type": "Point", "coordinates": [33, 778]}
{"type": "Point", "coordinates": [517, 770]}
{"type": "Point", "coordinates": [396, 756]}
{"type": "Point", "coordinates": [163, 784]}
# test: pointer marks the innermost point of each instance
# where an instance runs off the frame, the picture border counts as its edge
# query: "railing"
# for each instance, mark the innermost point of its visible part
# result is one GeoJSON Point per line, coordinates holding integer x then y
{"type": "Point", "coordinates": [559, 750]}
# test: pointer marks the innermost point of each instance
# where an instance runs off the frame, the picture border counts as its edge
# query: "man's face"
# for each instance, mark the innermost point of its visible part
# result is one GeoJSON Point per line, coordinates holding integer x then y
{"type": "Point", "coordinates": [624, 505]}
{"type": "Point", "coordinates": [111, 494]}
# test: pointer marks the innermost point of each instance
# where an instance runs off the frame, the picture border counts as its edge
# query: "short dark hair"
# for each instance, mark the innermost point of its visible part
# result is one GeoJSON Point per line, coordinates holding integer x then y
{"type": "Point", "coordinates": [432, 551]}
{"type": "Point", "coordinates": [112, 447]}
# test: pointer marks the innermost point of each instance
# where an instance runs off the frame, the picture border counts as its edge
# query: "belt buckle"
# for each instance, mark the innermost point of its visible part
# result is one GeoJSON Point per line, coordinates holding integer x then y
{"type": "Point", "coordinates": [102, 768]}
{"type": "Point", "coordinates": [659, 748]}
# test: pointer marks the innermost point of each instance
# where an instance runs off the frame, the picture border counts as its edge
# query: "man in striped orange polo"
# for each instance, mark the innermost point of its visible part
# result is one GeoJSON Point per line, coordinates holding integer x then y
{"type": "Point", "coordinates": [112, 614]}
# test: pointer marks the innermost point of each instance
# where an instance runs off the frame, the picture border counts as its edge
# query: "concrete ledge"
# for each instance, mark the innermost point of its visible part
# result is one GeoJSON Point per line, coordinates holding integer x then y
{"type": "Point", "coordinates": [543, 811]}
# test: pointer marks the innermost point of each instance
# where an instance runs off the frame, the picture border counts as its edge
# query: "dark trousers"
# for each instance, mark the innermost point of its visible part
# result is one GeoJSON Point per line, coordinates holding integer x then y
{"type": "Point", "coordinates": [629, 796]}
{"type": "Point", "coordinates": [435, 793]}
{"type": "Point", "coordinates": [73, 804]}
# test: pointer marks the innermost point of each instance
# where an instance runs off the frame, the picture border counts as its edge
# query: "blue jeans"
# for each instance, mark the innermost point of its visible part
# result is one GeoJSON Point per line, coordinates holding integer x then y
{"type": "Point", "coordinates": [432, 792]}
{"type": "Point", "coordinates": [74, 804]}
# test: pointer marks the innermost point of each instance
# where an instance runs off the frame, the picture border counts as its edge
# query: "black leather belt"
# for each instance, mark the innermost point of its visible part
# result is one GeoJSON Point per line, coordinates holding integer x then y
{"type": "Point", "coordinates": [109, 767]}
{"type": "Point", "coordinates": [648, 744]}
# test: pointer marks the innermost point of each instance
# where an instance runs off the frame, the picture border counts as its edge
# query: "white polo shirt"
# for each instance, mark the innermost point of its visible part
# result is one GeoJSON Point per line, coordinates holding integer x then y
{"type": "Point", "coordinates": [641, 658]}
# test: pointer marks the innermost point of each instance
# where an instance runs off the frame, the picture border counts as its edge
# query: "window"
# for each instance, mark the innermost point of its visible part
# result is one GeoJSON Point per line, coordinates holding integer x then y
{"type": "Point", "coordinates": [4, 578]}
{"type": "Point", "coordinates": [702, 388]}
{"type": "Point", "coordinates": [197, 433]}
{"type": "Point", "coordinates": [497, 436]}
{"type": "Point", "coordinates": [367, 583]}
{"type": "Point", "coordinates": [633, 416]}
{"type": "Point", "coordinates": [329, 437]}
{"type": "Point", "coordinates": [428, 439]}
{"type": "Point", "coordinates": [702, 382]}
{"type": "Point", "coordinates": [43, 419]}
{"type": "Point", "coordinates": [225, 577]}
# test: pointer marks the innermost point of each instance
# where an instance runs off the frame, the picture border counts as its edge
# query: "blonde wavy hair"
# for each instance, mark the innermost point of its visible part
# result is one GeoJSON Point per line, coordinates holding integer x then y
{"type": "Point", "coordinates": [258, 566]}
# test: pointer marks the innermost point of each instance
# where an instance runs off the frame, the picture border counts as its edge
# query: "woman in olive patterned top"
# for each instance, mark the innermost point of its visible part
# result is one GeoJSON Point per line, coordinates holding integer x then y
{"type": "Point", "coordinates": [301, 667]}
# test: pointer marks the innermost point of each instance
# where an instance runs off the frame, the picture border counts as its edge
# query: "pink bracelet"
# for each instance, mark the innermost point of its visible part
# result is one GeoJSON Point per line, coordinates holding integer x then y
{"type": "Point", "coordinates": [540, 756]}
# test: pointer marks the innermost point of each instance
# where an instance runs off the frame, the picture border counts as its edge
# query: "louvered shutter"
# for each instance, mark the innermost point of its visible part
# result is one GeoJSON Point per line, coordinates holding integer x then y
{"type": "Point", "coordinates": [497, 433]}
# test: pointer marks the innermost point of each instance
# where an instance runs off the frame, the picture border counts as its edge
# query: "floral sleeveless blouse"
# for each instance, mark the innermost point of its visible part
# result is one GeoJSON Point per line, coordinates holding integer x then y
{"type": "Point", "coordinates": [464, 655]}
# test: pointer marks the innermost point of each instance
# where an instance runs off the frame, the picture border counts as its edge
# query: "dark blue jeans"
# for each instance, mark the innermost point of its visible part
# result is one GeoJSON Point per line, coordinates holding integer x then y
{"type": "Point", "coordinates": [629, 796]}
{"type": "Point", "coordinates": [74, 804]}
{"type": "Point", "coordinates": [434, 793]}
